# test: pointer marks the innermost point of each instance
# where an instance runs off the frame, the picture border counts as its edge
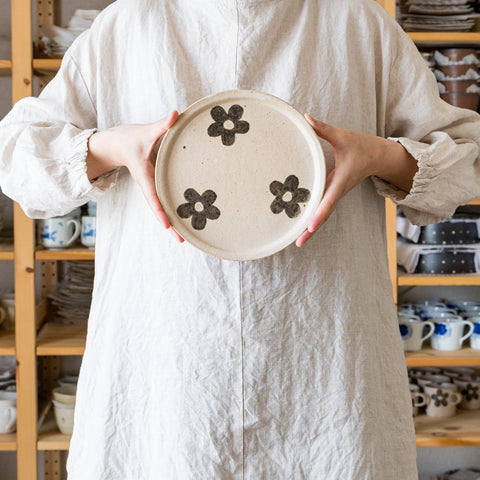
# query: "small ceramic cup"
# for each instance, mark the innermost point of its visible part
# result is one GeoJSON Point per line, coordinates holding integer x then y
{"type": "Point", "coordinates": [58, 232]}
{"type": "Point", "coordinates": [417, 372]}
{"type": "Point", "coordinates": [3, 314]}
{"type": "Point", "coordinates": [419, 399]}
{"type": "Point", "coordinates": [432, 378]}
{"type": "Point", "coordinates": [8, 412]}
{"type": "Point", "coordinates": [89, 231]}
{"type": "Point", "coordinates": [64, 414]}
{"type": "Point", "coordinates": [8, 305]}
{"type": "Point", "coordinates": [448, 334]}
{"type": "Point", "coordinates": [439, 312]}
{"type": "Point", "coordinates": [470, 390]}
{"type": "Point", "coordinates": [455, 372]}
{"type": "Point", "coordinates": [412, 331]}
{"type": "Point", "coordinates": [65, 394]}
{"type": "Point", "coordinates": [442, 399]}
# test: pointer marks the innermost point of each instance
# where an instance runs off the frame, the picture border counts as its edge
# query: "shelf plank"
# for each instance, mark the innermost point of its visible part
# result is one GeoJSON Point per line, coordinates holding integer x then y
{"type": "Point", "coordinates": [59, 339]}
{"type": "Point", "coordinates": [7, 343]}
{"type": "Point", "coordinates": [461, 430]}
{"type": "Point", "coordinates": [6, 251]}
{"type": "Point", "coordinates": [8, 442]}
{"type": "Point", "coordinates": [447, 280]}
{"type": "Point", "coordinates": [80, 253]}
{"type": "Point", "coordinates": [440, 38]}
{"type": "Point", "coordinates": [53, 440]}
{"type": "Point", "coordinates": [430, 357]}
{"type": "Point", "coordinates": [5, 67]}
{"type": "Point", "coordinates": [47, 65]}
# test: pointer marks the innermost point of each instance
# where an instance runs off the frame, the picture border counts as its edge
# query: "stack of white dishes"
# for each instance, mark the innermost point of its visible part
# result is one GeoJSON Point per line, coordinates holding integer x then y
{"type": "Point", "coordinates": [64, 398]}
{"type": "Point", "coordinates": [71, 298]}
{"type": "Point", "coordinates": [437, 15]}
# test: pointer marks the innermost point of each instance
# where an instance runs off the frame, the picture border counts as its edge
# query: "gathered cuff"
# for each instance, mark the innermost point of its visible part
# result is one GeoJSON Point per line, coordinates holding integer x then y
{"type": "Point", "coordinates": [82, 186]}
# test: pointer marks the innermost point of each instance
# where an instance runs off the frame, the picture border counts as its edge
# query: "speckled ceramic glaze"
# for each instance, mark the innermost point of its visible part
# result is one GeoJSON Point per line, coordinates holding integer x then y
{"type": "Point", "coordinates": [240, 174]}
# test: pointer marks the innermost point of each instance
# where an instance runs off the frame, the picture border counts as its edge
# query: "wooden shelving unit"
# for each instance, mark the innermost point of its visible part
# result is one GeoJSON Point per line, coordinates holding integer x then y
{"type": "Point", "coordinates": [52, 340]}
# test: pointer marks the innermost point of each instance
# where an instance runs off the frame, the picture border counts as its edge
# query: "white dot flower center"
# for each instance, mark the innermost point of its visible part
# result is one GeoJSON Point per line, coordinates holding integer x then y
{"type": "Point", "coordinates": [287, 197]}
{"type": "Point", "coordinates": [198, 207]}
{"type": "Point", "coordinates": [228, 125]}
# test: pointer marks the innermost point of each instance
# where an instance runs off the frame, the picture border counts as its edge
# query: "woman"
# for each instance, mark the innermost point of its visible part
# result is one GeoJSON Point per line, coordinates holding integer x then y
{"type": "Point", "coordinates": [289, 367]}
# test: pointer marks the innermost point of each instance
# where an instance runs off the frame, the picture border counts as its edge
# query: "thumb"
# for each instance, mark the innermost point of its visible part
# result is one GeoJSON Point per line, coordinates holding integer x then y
{"type": "Point", "coordinates": [323, 130]}
{"type": "Point", "coordinates": [160, 127]}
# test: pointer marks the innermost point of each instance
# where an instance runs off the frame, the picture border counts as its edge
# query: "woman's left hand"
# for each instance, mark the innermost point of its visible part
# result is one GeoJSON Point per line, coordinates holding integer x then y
{"type": "Point", "coordinates": [357, 156]}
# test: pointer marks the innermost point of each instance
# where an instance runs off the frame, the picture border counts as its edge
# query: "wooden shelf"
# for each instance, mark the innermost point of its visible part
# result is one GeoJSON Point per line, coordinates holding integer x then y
{"type": "Point", "coordinates": [444, 38]}
{"type": "Point", "coordinates": [80, 253]}
{"type": "Point", "coordinates": [53, 440]}
{"type": "Point", "coordinates": [62, 340]}
{"type": "Point", "coordinates": [7, 343]}
{"type": "Point", "coordinates": [461, 430]}
{"type": "Point", "coordinates": [46, 65]}
{"type": "Point", "coordinates": [6, 251]}
{"type": "Point", "coordinates": [8, 442]}
{"type": "Point", "coordinates": [430, 357]}
{"type": "Point", "coordinates": [405, 279]}
{"type": "Point", "coordinates": [5, 68]}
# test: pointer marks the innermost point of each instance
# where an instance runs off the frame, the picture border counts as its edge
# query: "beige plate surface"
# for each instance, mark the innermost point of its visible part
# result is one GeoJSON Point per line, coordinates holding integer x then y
{"type": "Point", "coordinates": [240, 174]}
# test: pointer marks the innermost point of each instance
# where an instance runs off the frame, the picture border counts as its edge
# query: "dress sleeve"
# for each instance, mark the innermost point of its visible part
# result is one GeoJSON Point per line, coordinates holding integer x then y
{"type": "Point", "coordinates": [43, 147]}
{"type": "Point", "coordinates": [443, 139]}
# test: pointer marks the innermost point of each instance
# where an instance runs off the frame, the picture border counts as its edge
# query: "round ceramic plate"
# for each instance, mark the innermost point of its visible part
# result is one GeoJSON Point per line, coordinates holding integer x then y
{"type": "Point", "coordinates": [240, 174]}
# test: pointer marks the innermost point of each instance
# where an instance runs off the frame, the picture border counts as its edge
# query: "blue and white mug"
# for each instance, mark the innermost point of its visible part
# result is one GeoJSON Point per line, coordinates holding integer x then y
{"type": "Point", "coordinates": [58, 232]}
{"type": "Point", "coordinates": [412, 331]}
{"type": "Point", "coordinates": [475, 338]}
{"type": "Point", "coordinates": [448, 334]}
{"type": "Point", "coordinates": [89, 231]}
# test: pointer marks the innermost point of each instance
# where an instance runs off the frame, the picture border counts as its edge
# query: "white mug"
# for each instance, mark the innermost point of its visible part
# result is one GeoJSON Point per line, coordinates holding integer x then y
{"type": "Point", "coordinates": [475, 337]}
{"type": "Point", "coordinates": [89, 231]}
{"type": "Point", "coordinates": [8, 412]}
{"type": "Point", "coordinates": [58, 232]}
{"type": "Point", "coordinates": [7, 304]}
{"type": "Point", "coordinates": [448, 333]}
{"type": "Point", "coordinates": [411, 330]}
{"type": "Point", "coordinates": [470, 391]}
{"type": "Point", "coordinates": [442, 399]}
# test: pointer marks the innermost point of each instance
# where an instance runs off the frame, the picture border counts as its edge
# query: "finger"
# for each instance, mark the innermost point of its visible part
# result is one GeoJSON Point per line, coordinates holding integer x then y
{"type": "Point", "coordinates": [177, 236]}
{"type": "Point", "coordinates": [303, 238]}
{"type": "Point", "coordinates": [334, 188]}
{"type": "Point", "coordinates": [160, 127]}
{"type": "Point", "coordinates": [146, 181]}
{"type": "Point", "coordinates": [323, 130]}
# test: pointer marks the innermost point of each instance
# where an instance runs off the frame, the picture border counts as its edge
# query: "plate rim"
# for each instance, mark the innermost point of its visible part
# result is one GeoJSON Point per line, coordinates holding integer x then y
{"type": "Point", "coordinates": [319, 168]}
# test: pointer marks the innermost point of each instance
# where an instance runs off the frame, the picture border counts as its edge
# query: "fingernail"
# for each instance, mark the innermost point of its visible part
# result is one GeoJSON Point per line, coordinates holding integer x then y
{"type": "Point", "coordinates": [309, 118]}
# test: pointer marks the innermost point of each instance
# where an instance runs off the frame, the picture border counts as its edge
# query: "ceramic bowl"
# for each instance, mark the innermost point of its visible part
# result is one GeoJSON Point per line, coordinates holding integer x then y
{"type": "Point", "coordinates": [65, 394]}
{"type": "Point", "coordinates": [462, 100]}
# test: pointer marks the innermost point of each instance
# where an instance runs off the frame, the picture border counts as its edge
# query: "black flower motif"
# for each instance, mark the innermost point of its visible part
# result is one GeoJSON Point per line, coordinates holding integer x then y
{"type": "Point", "coordinates": [199, 207]}
{"type": "Point", "coordinates": [440, 398]}
{"type": "Point", "coordinates": [227, 124]}
{"type": "Point", "coordinates": [470, 392]}
{"type": "Point", "coordinates": [288, 196]}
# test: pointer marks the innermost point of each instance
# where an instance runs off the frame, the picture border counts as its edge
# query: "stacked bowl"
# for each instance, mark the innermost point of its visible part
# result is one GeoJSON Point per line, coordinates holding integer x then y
{"type": "Point", "coordinates": [457, 73]}
{"type": "Point", "coordinates": [64, 398]}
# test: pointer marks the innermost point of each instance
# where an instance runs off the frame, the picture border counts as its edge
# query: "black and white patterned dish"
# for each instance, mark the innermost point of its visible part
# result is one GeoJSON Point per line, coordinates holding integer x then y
{"type": "Point", "coordinates": [240, 174]}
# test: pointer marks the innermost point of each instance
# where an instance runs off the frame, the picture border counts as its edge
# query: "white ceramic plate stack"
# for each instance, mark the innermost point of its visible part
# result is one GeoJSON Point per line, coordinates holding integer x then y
{"type": "Point", "coordinates": [437, 15]}
{"type": "Point", "coordinates": [240, 174]}
{"type": "Point", "coordinates": [71, 298]}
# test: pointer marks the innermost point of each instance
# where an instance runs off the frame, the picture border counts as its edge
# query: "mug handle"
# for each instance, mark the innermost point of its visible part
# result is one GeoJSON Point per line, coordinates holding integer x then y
{"type": "Point", "coordinates": [76, 232]}
{"type": "Point", "coordinates": [456, 398]}
{"type": "Point", "coordinates": [430, 333]}
{"type": "Point", "coordinates": [3, 314]}
{"type": "Point", "coordinates": [470, 330]}
{"type": "Point", "coordinates": [422, 402]}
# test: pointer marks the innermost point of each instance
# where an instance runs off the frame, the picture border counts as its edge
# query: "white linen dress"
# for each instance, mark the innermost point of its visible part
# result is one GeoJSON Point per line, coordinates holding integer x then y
{"type": "Point", "coordinates": [289, 367]}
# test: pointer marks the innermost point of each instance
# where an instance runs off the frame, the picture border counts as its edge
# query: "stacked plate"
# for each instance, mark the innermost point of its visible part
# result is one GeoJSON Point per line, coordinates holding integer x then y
{"type": "Point", "coordinates": [71, 298]}
{"type": "Point", "coordinates": [437, 15]}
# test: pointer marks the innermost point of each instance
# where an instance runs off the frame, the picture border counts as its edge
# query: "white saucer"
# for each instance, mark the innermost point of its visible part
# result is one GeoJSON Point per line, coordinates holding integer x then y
{"type": "Point", "coordinates": [240, 174]}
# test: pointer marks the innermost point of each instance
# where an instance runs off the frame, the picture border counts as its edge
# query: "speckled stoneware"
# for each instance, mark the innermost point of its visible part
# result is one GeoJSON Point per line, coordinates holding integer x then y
{"type": "Point", "coordinates": [240, 174]}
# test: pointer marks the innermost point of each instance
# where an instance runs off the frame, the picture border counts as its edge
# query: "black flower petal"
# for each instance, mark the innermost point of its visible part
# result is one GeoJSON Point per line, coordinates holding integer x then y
{"type": "Point", "coordinates": [219, 114]}
{"type": "Point", "coordinates": [242, 126]}
{"type": "Point", "coordinates": [192, 195]}
{"type": "Point", "coordinates": [235, 112]}
{"type": "Point", "coordinates": [199, 221]}
{"type": "Point", "coordinates": [212, 212]}
{"type": "Point", "coordinates": [276, 188]}
{"type": "Point", "coordinates": [301, 195]}
{"type": "Point", "coordinates": [228, 137]}
{"type": "Point", "coordinates": [292, 210]}
{"type": "Point", "coordinates": [215, 129]}
{"type": "Point", "coordinates": [208, 197]}
{"type": "Point", "coordinates": [291, 183]}
{"type": "Point", "coordinates": [186, 210]}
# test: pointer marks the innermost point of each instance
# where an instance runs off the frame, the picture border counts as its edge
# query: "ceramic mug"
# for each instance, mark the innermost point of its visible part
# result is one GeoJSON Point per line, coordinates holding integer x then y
{"type": "Point", "coordinates": [432, 378]}
{"type": "Point", "coordinates": [411, 330]}
{"type": "Point", "coordinates": [89, 231]}
{"type": "Point", "coordinates": [448, 333]}
{"type": "Point", "coordinates": [8, 412]}
{"type": "Point", "coordinates": [455, 372]}
{"type": "Point", "coordinates": [419, 399]}
{"type": "Point", "coordinates": [475, 338]}
{"type": "Point", "coordinates": [431, 313]}
{"type": "Point", "coordinates": [58, 232]}
{"type": "Point", "coordinates": [64, 415]}
{"type": "Point", "coordinates": [3, 314]}
{"type": "Point", "coordinates": [442, 399]}
{"type": "Point", "coordinates": [470, 390]}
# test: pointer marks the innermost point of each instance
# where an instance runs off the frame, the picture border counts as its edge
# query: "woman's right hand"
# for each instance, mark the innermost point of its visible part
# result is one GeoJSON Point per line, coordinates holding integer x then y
{"type": "Point", "coordinates": [131, 146]}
